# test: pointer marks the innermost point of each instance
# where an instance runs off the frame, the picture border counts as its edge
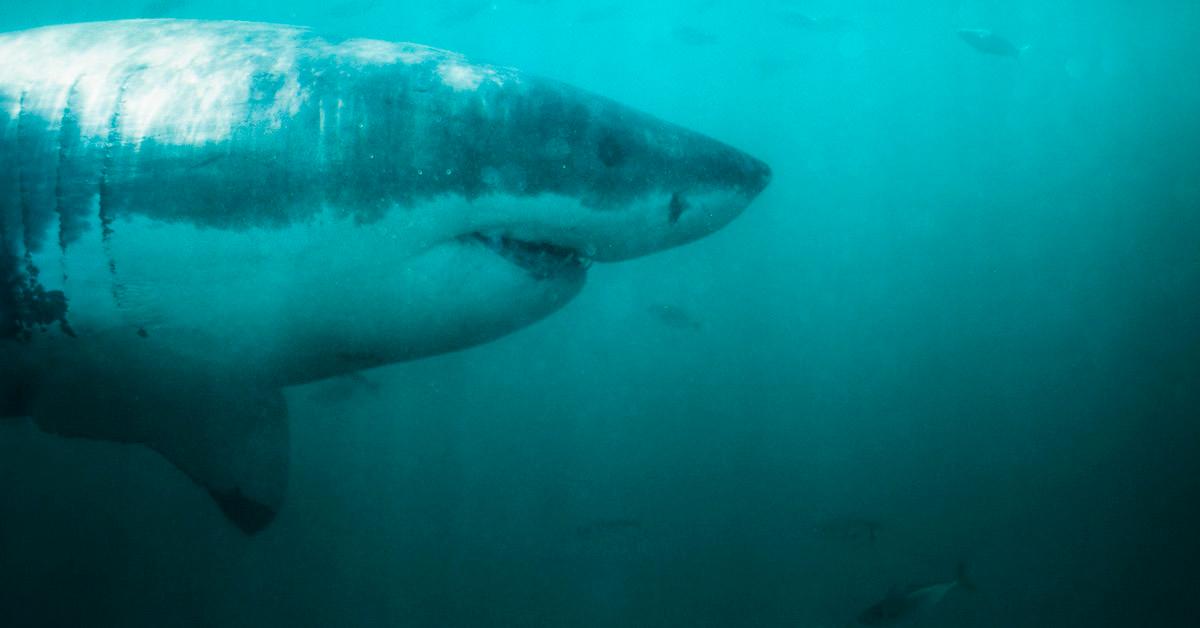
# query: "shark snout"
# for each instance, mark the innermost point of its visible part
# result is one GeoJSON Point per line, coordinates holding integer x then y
{"type": "Point", "coordinates": [724, 188]}
{"type": "Point", "coordinates": [754, 175]}
{"type": "Point", "coordinates": [724, 184]}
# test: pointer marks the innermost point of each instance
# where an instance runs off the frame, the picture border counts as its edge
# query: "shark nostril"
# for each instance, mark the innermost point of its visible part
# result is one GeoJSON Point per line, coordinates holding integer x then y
{"type": "Point", "coordinates": [758, 175]}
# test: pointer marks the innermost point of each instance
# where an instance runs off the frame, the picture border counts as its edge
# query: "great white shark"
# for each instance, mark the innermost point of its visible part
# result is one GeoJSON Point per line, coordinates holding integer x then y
{"type": "Point", "coordinates": [196, 214]}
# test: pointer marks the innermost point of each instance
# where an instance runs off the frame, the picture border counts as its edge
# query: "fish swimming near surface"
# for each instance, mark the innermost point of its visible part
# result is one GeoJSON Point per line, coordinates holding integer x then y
{"type": "Point", "coordinates": [162, 8]}
{"type": "Point", "coordinates": [614, 537]}
{"type": "Point", "coordinates": [601, 13]}
{"type": "Point", "coordinates": [816, 24]}
{"type": "Point", "coordinates": [987, 42]}
{"type": "Point", "coordinates": [851, 530]}
{"type": "Point", "coordinates": [675, 316]}
{"type": "Point", "coordinates": [459, 12]}
{"type": "Point", "coordinates": [351, 8]}
{"type": "Point", "coordinates": [196, 214]}
{"type": "Point", "coordinates": [904, 605]}
{"type": "Point", "coordinates": [610, 526]}
{"type": "Point", "coordinates": [694, 37]}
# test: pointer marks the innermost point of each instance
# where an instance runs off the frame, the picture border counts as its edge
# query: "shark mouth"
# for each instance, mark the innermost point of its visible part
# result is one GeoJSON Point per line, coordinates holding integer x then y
{"type": "Point", "coordinates": [542, 260]}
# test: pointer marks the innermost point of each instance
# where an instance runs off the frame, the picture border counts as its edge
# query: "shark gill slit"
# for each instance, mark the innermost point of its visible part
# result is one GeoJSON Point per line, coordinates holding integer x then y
{"type": "Point", "coordinates": [23, 193]}
{"type": "Point", "coordinates": [60, 208]}
{"type": "Point", "coordinates": [105, 194]}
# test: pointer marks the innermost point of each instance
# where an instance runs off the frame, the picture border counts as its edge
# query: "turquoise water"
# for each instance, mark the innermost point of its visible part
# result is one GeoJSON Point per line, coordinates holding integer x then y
{"type": "Point", "coordinates": [960, 325]}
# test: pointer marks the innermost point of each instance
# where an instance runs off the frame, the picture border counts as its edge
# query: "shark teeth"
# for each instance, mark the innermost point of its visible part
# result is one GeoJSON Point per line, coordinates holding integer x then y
{"type": "Point", "coordinates": [542, 260]}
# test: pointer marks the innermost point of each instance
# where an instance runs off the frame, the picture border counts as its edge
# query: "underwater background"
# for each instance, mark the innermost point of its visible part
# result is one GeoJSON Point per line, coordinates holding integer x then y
{"type": "Point", "coordinates": [961, 325]}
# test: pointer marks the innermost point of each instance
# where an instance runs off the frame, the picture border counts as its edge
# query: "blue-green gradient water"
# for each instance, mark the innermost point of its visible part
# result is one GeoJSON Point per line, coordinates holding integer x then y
{"type": "Point", "coordinates": [961, 324]}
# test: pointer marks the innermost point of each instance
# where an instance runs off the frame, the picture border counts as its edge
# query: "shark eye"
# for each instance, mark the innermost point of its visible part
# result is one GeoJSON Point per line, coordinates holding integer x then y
{"type": "Point", "coordinates": [610, 151]}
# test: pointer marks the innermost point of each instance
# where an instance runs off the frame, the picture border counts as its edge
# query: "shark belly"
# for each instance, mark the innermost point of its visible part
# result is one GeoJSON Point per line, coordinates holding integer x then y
{"type": "Point", "coordinates": [295, 304]}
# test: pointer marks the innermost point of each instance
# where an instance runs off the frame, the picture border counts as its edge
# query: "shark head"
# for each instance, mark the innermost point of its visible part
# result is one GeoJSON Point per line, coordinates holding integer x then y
{"type": "Point", "coordinates": [583, 174]}
{"type": "Point", "coordinates": [504, 188]}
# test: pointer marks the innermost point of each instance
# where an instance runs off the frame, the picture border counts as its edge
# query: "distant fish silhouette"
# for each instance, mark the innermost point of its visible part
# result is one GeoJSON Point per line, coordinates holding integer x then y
{"type": "Point", "coordinates": [351, 8]}
{"type": "Point", "coordinates": [610, 527]}
{"type": "Point", "coordinates": [674, 316]}
{"type": "Point", "coordinates": [463, 11]}
{"type": "Point", "coordinates": [611, 537]}
{"type": "Point", "coordinates": [903, 605]}
{"type": "Point", "coordinates": [693, 37]}
{"type": "Point", "coordinates": [598, 14]}
{"type": "Point", "coordinates": [851, 530]}
{"type": "Point", "coordinates": [162, 8]}
{"type": "Point", "coordinates": [987, 42]}
{"type": "Point", "coordinates": [814, 24]}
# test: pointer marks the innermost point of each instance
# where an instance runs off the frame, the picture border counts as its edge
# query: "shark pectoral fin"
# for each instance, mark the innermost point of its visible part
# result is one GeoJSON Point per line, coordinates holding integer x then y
{"type": "Point", "coordinates": [238, 451]}
{"type": "Point", "coordinates": [229, 436]}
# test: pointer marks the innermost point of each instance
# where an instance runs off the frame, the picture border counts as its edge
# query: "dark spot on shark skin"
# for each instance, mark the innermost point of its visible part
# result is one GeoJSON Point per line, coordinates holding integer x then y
{"type": "Point", "coordinates": [263, 87]}
{"type": "Point", "coordinates": [610, 151]}
{"type": "Point", "coordinates": [26, 306]}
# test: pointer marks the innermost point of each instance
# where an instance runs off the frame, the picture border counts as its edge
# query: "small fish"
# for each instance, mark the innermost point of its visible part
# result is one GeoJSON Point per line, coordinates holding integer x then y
{"type": "Point", "coordinates": [610, 527]}
{"type": "Point", "coordinates": [162, 8]}
{"type": "Point", "coordinates": [674, 316]}
{"type": "Point", "coordinates": [464, 11]}
{"type": "Point", "coordinates": [902, 605]}
{"type": "Point", "coordinates": [612, 538]}
{"type": "Point", "coordinates": [600, 14]}
{"type": "Point", "coordinates": [851, 530]}
{"type": "Point", "coordinates": [987, 42]}
{"type": "Point", "coordinates": [693, 37]}
{"type": "Point", "coordinates": [814, 24]}
{"type": "Point", "coordinates": [351, 8]}
{"type": "Point", "coordinates": [207, 161]}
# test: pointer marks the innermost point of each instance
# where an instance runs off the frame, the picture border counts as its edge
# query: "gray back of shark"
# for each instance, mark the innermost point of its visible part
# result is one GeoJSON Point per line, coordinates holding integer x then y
{"type": "Point", "coordinates": [196, 214]}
